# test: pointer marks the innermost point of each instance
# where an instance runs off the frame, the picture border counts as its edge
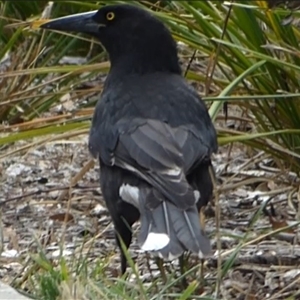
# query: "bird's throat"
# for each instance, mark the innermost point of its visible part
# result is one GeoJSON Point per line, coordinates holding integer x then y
{"type": "Point", "coordinates": [144, 62]}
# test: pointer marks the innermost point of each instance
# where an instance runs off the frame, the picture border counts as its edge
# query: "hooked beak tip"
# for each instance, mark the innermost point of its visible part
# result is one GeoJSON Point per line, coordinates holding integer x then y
{"type": "Point", "coordinates": [39, 23]}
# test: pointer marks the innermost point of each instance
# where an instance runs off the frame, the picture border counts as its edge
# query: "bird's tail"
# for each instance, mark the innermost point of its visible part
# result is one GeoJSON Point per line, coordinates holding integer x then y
{"type": "Point", "coordinates": [169, 231]}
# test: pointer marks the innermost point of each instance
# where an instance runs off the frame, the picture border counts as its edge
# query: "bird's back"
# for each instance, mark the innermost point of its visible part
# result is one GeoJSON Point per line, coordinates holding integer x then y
{"type": "Point", "coordinates": [162, 96]}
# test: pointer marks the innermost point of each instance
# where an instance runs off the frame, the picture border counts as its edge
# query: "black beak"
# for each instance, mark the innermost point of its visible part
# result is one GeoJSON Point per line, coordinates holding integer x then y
{"type": "Point", "coordinates": [83, 23]}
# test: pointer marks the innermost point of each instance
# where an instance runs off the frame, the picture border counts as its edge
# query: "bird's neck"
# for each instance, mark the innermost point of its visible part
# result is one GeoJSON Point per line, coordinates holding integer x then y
{"type": "Point", "coordinates": [143, 63]}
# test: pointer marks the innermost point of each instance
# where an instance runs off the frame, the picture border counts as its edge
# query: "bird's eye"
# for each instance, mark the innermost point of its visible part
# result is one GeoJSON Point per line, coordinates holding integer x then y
{"type": "Point", "coordinates": [110, 16]}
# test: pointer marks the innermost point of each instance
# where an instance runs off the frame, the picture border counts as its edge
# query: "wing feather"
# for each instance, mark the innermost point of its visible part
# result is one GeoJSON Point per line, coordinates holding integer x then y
{"type": "Point", "coordinates": [161, 155]}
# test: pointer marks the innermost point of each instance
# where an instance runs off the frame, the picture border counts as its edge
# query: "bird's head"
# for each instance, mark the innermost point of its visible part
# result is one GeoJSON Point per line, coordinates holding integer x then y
{"type": "Point", "coordinates": [128, 33]}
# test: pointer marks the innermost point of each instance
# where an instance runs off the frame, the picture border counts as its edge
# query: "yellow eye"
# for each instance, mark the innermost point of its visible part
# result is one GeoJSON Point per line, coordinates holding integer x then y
{"type": "Point", "coordinates": [110, 16]}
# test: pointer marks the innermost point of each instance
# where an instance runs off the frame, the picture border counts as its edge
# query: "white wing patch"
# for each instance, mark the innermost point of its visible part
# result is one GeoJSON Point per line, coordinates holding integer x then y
{"type": "Point", "coordinates": [172, 172]}
{"type": "Point", "coordinates": [196, 195]}
{"type": "Point", "coordinates": [155, 241]}
{"type": "Point", "coordinates": [129, 194]}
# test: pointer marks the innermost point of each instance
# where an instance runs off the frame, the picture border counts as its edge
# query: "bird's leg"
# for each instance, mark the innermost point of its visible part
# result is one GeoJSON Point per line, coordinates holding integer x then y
{"type": "Point", "coordinates": [202, 217]}
{"type": "Point", "coordinates": [182, 271]}
{"type": "Point", "coordinates": [160, 264]}
{"type": "Point", "coordinates": [124, 233]}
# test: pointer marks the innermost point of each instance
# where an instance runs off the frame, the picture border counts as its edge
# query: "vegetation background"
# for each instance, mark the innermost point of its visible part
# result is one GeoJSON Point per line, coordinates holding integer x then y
{"type": "Point", "coordinates": [243, 57]}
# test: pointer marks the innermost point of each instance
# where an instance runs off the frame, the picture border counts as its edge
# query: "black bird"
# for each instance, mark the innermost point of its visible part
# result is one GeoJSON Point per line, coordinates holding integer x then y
{"type": "Point", "coordinates": [151, 132]}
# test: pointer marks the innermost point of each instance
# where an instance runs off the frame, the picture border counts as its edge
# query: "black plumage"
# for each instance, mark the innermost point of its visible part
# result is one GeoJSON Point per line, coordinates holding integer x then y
{"type": "Point", "coordinates": [151, 132]}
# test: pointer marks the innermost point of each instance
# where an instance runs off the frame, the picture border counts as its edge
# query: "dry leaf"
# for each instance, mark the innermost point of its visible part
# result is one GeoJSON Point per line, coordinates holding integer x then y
{"type": "Point", "coordinates": [62, 217]}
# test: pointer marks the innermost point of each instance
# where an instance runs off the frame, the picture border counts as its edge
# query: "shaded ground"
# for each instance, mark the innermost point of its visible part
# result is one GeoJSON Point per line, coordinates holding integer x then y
{"type": "Point", "coordinates": [32, 212]}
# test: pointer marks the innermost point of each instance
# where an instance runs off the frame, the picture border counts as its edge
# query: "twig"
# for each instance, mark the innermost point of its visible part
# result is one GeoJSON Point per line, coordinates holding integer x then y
{"type": "Point", "coordinates": [45, 191]}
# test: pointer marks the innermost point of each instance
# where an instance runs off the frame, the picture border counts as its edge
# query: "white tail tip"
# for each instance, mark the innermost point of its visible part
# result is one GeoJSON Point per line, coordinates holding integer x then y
{"type": "Point", "coordinates": [155, 241]}
{"type": "Point", "coordinates": [200, 254]}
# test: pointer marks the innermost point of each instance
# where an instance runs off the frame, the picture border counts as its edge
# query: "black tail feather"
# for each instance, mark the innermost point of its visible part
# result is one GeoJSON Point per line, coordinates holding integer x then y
{"type": "Point", "coordinates": [181, 226]}
{"type": "Point", "coordinates": [188, 230]}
